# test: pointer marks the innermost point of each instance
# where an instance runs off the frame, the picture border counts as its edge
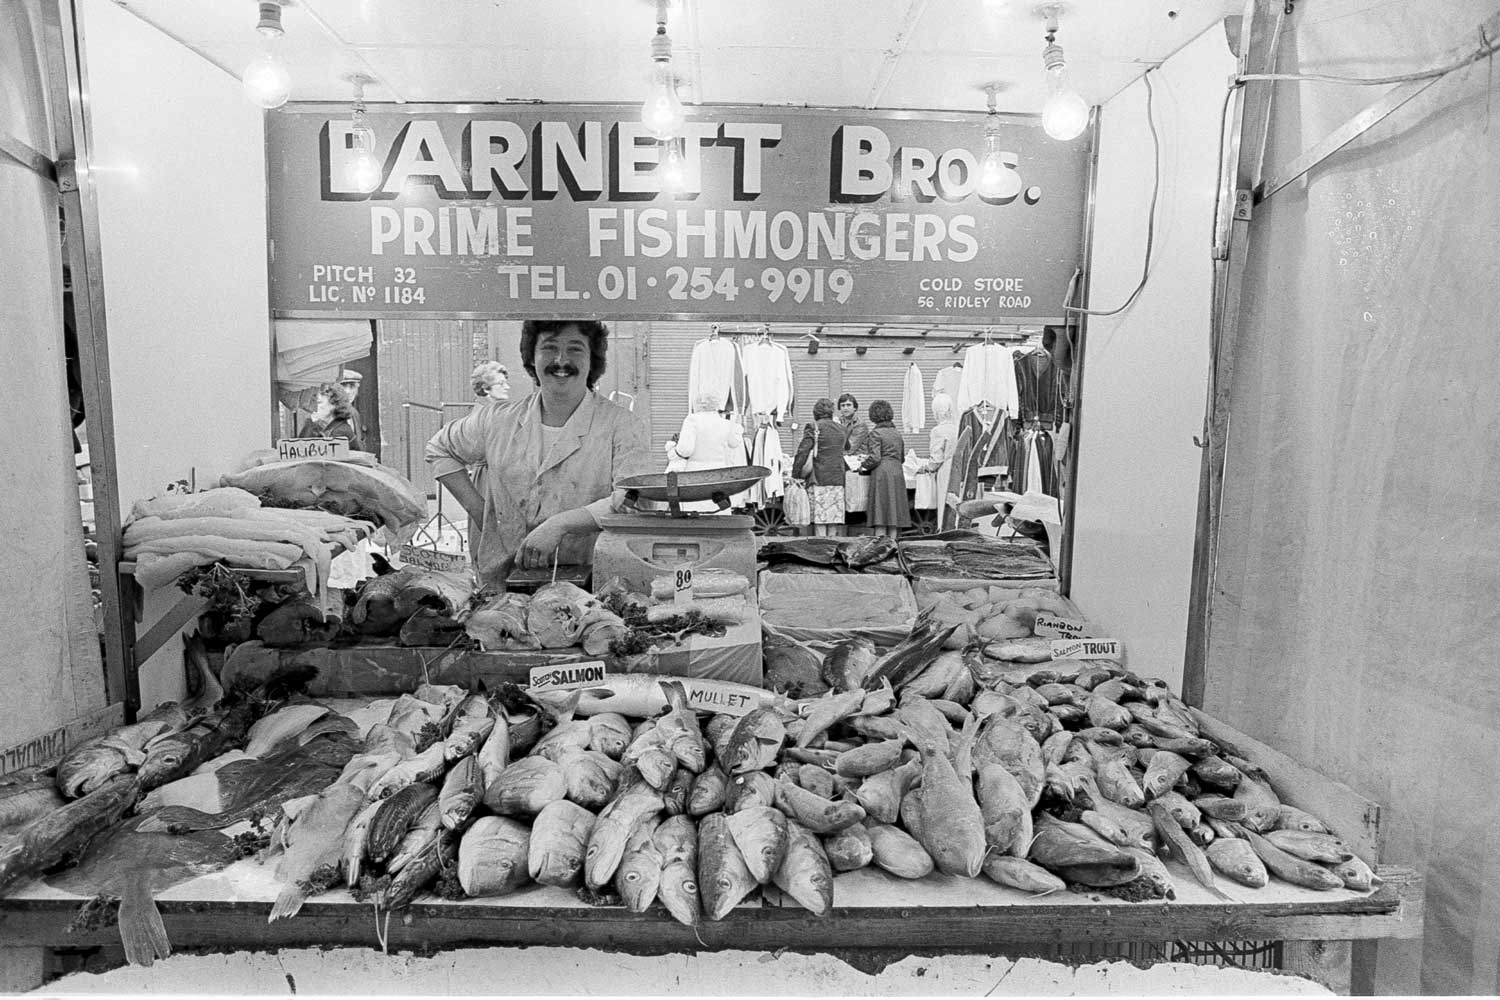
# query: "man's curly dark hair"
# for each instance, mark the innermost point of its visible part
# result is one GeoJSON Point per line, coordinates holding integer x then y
{"type": "Point", "coordinates": [533, 329]}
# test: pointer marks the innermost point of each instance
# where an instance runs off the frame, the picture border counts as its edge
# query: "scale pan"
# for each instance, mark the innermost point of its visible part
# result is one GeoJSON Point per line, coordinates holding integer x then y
{"type": "Point", "coordinates": [700, 484]}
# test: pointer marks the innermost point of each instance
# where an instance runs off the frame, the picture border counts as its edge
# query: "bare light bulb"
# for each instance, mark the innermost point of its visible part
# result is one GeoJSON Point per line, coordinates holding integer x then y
{"type": "Point", "coordinates": [673, 170]}
{"type": "Point", "coordinates": [363, 170]}
{"type": "Point", "coordinates": [266, 81]}
{"type": "Point", "coordinates": [1065, 115]}
{"type": "Point", "coordinates": [662, 112]}
{"type": "Point", "coordinates": [998, 179]}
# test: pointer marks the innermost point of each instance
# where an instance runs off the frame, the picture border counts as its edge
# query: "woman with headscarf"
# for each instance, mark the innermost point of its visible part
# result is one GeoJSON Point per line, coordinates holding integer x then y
{"type": "Point", "coordinates": [707, 440]}
{"type": "Point", "coordinates": [823, 443]}
{"type": "Point", "coordinates": [889, 511]}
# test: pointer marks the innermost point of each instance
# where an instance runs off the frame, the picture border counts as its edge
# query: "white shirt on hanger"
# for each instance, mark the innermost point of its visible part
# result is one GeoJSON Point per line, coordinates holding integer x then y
{"type": "Point", "coordinates": [989, 374]}
{"type": "Point", "coordinates": [768, 378]}
{"type": "Point", "coordinates": [913, 403]}
{"type": "Point", "coordinates": [711, 370]}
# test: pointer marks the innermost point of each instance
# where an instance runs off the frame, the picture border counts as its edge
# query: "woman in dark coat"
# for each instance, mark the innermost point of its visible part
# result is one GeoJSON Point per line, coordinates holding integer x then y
{"type": "Point", "coordinates": [889, 511]}
{"type": "Point", "coordinates": [332, 417]}
{"type": "Point", "coordinates": [825, 487]}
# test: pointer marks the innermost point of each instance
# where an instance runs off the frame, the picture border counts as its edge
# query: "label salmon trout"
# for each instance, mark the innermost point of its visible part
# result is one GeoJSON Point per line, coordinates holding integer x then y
{"type": "Point", "coordinates": [1086, 649]}
{"type": "Point", "coordinates": [568, 675]}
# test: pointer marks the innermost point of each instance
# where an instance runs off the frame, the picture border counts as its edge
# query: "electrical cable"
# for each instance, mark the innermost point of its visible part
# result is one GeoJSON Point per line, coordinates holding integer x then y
{"type": "Point", "coordinates": [1150, 217]}
{"type": "Point", "coordinates": [1485, 50]}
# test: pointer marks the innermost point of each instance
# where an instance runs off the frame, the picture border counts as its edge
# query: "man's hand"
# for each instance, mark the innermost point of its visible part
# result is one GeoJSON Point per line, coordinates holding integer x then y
{"type": "Point", "coordinates": [539, 549]}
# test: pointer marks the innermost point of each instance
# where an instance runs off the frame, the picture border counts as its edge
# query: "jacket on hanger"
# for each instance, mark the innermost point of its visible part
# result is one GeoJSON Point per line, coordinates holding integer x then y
{"type": "Point", "coordinates": [768, 379]}
{"type": "Point", "coordinates": [947, 381]}
{"type": "Point", "coordinates": [715, 368]}
{"type": "Point", "coordinates": [913, 404]}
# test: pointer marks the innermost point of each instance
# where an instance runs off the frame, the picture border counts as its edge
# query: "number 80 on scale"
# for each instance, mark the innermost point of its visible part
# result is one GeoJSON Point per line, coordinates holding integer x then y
{"type": "Point", "coordinates": [801, 284]}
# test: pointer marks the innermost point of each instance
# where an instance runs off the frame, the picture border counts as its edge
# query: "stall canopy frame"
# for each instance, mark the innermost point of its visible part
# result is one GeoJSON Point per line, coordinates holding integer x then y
{"type": "Point", "coordinates": [71, 131]}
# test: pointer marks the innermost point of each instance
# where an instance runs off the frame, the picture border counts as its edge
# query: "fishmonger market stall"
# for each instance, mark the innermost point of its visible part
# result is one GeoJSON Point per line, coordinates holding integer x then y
{"type": "Point", "coordinates": [188, 933]}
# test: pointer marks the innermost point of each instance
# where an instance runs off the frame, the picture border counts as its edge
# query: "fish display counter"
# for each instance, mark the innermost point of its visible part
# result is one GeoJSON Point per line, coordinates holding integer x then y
{"type": "Point", "coordinates": [1008, 796]}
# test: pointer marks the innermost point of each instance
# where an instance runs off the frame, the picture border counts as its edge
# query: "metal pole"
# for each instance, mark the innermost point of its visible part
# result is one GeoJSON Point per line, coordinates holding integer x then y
{"type": "Point", "coordinates": [68, 87]}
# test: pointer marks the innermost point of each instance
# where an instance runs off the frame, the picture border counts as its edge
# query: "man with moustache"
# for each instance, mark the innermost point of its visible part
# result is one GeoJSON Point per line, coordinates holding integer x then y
{"type": "Point", "coordinates": [553, 455]}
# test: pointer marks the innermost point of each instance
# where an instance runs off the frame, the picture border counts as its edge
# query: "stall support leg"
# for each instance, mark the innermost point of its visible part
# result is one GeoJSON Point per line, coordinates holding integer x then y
{"type": "Point", "coordinates": [22, 969]}
{"type": "Point", "coordinates": [1327, 962]}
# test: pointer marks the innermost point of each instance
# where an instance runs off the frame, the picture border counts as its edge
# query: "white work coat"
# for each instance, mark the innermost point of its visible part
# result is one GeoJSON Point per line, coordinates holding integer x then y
{"type": "Point", "coordinates": [599, 445]}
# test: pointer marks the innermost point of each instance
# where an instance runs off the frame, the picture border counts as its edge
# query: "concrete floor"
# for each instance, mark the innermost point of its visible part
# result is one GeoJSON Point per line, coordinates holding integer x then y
{"type": "Point", "coordinates": [571, 971]}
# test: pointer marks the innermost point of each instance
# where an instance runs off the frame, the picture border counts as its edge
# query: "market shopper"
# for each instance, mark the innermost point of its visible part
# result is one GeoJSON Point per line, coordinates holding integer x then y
{"type": "Point", "coordinates": [941, 442]}
{"type": "Point", "coordinates": [888, 512]}
{"type": "Point", "coordinates": [823, 444]}
{"type": "Point", "coordinates": [332, 417]}
{"type": "Point", "coordinates": [491, 383]}
{"type": "Point", "coordinates": [707, 440]}
{"type": "Point", "coordinates": [553, 455]}
{"type": "Point", "coordinates": [856, 431]}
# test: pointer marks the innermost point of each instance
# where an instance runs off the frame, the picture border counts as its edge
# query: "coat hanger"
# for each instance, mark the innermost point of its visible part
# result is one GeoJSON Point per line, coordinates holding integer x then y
{"type": "Point", "coordinates": [713, 332]}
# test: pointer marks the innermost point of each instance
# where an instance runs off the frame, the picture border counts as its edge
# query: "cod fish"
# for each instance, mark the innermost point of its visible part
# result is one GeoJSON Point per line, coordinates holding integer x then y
{"type": "Point", "coordinates": [847, 664]}
{"type": "Point", "coordinates": [315, 841]}
{"type": "Point", "coordinates": [1237, 860]}
{"type": "Point", "coordinates": [1174, 837]}
{"type": "Point", "coordinates": [849, 849]}
{"type": "Point", "coordinates": [723, 878]}
{"type": "Point", "coordinates": [898, 852]}
{"type": "Point", "coordinates": [679, 729]}
{"type": "Point", "coordinates": [559, 838]}
{"type": "Point", "coordinates": [952, 825]}
{"type": "Point", "coordinates": [612, 829]}
{"type": "Point", "coordinates": [639, 874]}
{"type": "Point", "coordinates": [823, 713]}
{"type": "Point", "coordinates": [591, 777]}
{"type": "Point", "coordinates": [65, 833]}
{"type": "Point", "coordinates": [1311, 846]}
{"type": "Point", "coordinates": [755, 742]}
{"type": "Point", "coordinates": [880, 794]}
{"type": "Point", "coordinates": [1004, 810]}
{"type": "Point", "coordinates": [526, 787]}
{"type": "Point", "coordinates": [792, 669]}
{"type": "Point", "coordinates": [463, 790]}
{"type": "Point", "coordinates": [1289, 868]}
{"type": "Point", "coordinates": [609, 733]}
{"type": "Point", "coordinates": [1018, 873]}
{"type": "Point", "coordinates": [821, 816]}
{"type": "Point", "coordinates": [804, 872]}
{"type": "Point", "coordinates": [395, 816]}
{"type": "Point", "coordinates": [135, 866]}
{"type": "Point", "coordinates": [493, 856]}
{"type": "Point", "coordinates": [760, 833]}
{"type": "Point", "coordinates": [677, 840]}
{"type": "Point", "coordinates": [707, 792]}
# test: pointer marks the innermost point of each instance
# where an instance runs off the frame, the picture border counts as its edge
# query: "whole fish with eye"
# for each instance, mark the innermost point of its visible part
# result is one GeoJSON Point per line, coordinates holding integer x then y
{"type": "Point", "coordinates": [245, 787]}
{"type": "Point", "coordinates": [63, 833]}
{"type": "Point", "coordinates": [134, 867]}
{"type": "Point", "coordinates": [867, 550]}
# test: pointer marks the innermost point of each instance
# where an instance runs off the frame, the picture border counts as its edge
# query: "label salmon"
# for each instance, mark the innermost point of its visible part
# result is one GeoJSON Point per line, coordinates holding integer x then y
{"type": "Point", "coordinates": [1050, 626]}
{"type": "Point", "coordinates": [302, 449]}
{"type": "Point", "coordinates": [707, 699]}
{"type": "Point", "coordinates": [1087, 649]}
{"type": "Point", "coordinates": [568, 675]}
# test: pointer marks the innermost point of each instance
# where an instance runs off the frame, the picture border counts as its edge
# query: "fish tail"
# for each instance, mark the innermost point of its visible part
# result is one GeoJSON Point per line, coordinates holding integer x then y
{"type": "Point", "coordinates": [675, 692]}
{"type": "Point", "coordinates": [287, 904]}
{"type": "Point", "coordinates": [142, 932]}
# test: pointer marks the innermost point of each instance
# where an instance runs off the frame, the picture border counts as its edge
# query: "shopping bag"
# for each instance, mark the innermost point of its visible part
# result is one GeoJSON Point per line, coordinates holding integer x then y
{"type": "Point", "coordinates": [856, 492]}
{"type": "Point", "coordinates": [795, 504]}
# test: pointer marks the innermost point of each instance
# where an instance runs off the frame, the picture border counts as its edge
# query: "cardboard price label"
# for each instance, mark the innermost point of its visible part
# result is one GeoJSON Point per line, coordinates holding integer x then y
{"type": "Point", "coordinates": [710, 699]}
{"type": "Point", "coordinates": [1087, 649]}
{"type": "Point", "coordinates": [567, 675]}
{"type": "Point", "coordinates": [1061, 628]}
{"type": "Point", "coordinates": [682, 589]}
{"type": "Point", "coordinates": [302, 449]}
{"type": "Point", "coordinates": [439, 562]}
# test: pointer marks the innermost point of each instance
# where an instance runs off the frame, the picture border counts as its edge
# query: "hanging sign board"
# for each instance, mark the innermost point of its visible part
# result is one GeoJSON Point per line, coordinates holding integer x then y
{"type": "Point", "coordinates": [565, 210]}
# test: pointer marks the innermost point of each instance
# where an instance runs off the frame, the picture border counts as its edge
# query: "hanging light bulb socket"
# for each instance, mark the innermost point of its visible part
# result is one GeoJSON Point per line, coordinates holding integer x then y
{"type": "Point", "coordinates": [998, 180]}
{"type": "Point", "coordinates": [266, 81]}
{"type": "Point", "coordinates": [662, 113]}
{"type": "Point", "coordinates": [363, 169]}
{"type": "Point", "coordinates": [1066, 114]}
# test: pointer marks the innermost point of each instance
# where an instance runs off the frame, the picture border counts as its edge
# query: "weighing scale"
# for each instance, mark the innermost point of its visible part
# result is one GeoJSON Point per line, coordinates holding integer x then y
{"type": "Point", "coordinates": [640, 546]}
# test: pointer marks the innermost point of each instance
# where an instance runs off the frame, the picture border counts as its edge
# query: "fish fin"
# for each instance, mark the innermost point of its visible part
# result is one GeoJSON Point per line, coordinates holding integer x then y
{"type": "Point", "coordinates": [676, 694]}
{"type": "Point", "coordinates": [142, 932]}
{"type": "Point", "coordinates": [288, 903]}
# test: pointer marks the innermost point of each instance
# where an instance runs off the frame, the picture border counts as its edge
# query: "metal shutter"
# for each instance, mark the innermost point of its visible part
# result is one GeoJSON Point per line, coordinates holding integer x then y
{"type": "Point", "coordinates": [881, 374]}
